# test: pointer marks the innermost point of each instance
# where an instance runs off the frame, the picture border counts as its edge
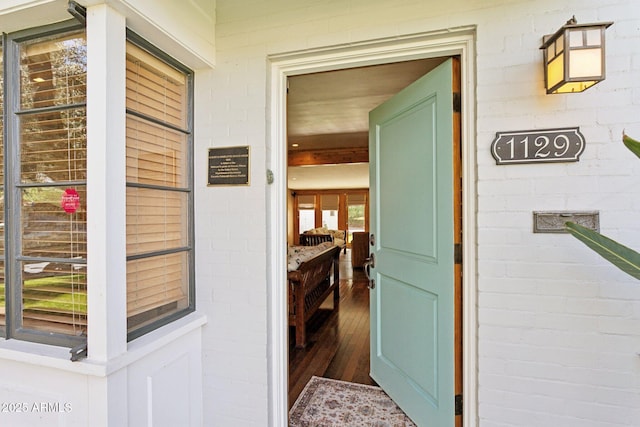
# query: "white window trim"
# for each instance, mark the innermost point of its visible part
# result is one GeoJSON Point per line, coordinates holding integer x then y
{"type": "Point", "coordinates": [106, 162]}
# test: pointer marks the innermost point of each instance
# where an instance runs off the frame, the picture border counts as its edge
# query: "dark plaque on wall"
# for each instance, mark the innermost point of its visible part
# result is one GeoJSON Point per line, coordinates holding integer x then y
{"type": "Point", "coordinates": [537, 146]}
{"type": "Point", "coordinates": [229, 166]}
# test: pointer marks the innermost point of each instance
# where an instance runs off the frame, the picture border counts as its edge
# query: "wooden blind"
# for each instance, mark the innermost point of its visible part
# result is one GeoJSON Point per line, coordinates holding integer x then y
{"type": "Point", "coordinates": [155, 154]}
{"type": "Point", "coordinates": [155, 88]}
{"type": "Point", "coordinates": [52, 159]}
{"type": "Point", "coordinates": [306, 202]}
{"type": "Point", "coordinates": [156, 220]}
{"type": "Point", "coordinates": [356, 198]}
{"type": "Point", "coordinates": [329, 202]}
{"type": "Point", "coordinates": [157, 214]}
{"type": "Point", "coordinates": [160, 287]}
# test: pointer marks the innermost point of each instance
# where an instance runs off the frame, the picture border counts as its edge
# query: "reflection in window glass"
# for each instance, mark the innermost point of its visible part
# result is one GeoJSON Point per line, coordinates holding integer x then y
{"type": "Point", "coordinates": [51, 201]}
{"type": "Point", "coordinates": [54, 297]}
{"type": "Point", "coordinates": [53, 71]}
{"type": "Point", "coordinates": [50, 231]}
{"type": "Point", "coordinates": [53, 147]}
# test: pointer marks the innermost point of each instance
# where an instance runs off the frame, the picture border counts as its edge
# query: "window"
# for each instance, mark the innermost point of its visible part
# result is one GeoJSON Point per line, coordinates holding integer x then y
{"type": "Point", "coordinates": [43, 212]}
{"type": "Point", "coordinates": [356, 213]}
{"type": "Point", "coordinates": [329, 207]}
{"type": "Point", "coordinates": [159, 189]}
{"type": "Point", "coordinates": [306, 213]}
{"type": "Point", "coordinates": [44, 186]}
{"type": "Point", "coordinates": [333, 209]}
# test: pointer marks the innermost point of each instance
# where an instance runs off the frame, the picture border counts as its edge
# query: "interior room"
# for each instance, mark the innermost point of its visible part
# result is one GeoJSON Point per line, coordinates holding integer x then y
{"type": "Point", "coordinates": [328, 183]}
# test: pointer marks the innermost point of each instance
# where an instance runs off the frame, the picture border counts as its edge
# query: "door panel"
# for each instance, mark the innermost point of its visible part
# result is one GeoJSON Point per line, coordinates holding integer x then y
{"type": "Point", "coordinates": [402, 307]}
{"type": "Point", "coordinates": [403, 230]}
{"type": "Point", "coordinates": [412, 310]}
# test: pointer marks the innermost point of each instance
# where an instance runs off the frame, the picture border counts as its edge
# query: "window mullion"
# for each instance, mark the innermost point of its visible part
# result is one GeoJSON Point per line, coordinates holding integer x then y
{"type": "Point", "coordinates": [12, 209]}
{"type": "Point", "coordinates": [4, 328]}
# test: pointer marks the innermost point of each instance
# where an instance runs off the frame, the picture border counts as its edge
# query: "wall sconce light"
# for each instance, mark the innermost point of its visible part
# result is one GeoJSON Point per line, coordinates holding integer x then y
{"type": "Point", "coordinates": [574, 57]}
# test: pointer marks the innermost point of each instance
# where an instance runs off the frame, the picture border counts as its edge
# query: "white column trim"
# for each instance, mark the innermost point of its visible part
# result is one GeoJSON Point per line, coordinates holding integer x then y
{"type": "Point", "coordinates": [455, 41]}
{"type": "Point", "coordinates": [106, 192]}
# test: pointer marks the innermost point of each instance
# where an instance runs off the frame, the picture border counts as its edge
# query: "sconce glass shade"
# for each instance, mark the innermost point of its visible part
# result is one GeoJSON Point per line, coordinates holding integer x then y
{"type": "Point", "coordinates": [574, 57]}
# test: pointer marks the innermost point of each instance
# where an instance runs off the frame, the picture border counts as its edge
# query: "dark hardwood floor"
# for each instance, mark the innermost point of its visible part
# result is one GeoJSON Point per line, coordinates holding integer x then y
{"type": "Point", "coordinates": [338, 341]}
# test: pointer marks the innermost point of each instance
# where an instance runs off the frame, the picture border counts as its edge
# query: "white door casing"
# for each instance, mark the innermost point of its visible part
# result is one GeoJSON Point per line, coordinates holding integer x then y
{"type": "Point", "coordinates": [450, 42]}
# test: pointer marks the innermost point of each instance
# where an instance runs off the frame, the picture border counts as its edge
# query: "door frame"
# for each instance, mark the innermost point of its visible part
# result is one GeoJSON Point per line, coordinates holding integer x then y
{"type": "Point", "coordinates": [449, 42]}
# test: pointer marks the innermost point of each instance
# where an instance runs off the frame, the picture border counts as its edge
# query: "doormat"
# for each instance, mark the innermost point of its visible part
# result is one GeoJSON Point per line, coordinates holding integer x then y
{"type": "Point", "coordinates": [327, 403]}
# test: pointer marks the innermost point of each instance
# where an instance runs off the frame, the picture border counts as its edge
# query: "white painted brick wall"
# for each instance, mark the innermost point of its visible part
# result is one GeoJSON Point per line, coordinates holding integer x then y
{"type": "Point", "coordinates": [559, 328]}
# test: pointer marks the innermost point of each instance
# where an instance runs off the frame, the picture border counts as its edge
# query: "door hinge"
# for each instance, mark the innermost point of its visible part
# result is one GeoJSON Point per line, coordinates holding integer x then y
{"type": "Point", "coordinates": [457, 102]}
{"type": "Point", "coordinates": [457, 253]}
{"type": "Point", "coordinates": [458, 401]}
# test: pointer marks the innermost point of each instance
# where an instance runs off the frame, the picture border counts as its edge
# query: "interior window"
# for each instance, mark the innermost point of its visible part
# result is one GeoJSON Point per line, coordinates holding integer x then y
{"type": "Point", "coordinates": [356, 213]}
{"type": "Point", "coordinates": [329, 205]}
{"type": "Point", "coordinates": [306, 212]}
{"type": "Point", "coordinates": [334, 209]}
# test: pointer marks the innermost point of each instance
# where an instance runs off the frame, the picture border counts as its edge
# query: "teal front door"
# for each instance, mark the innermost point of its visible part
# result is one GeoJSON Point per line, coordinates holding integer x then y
{"type": "Point", "coordinates": [412, 251]}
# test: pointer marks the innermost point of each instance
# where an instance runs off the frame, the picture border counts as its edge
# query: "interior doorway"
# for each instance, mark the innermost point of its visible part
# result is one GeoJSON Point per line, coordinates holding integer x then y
{"type": "Point", "coordinates": [368, 54]}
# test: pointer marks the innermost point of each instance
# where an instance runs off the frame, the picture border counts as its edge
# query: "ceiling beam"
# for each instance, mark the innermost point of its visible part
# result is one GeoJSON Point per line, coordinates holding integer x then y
{"type": "Point", "coordinates": [328, 157]}
{"type": "Point", "coordinates": [327, 141]}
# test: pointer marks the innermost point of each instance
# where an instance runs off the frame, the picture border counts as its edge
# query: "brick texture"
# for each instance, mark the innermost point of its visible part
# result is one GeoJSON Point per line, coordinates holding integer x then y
{"type": "Point", "coordinates": [558, 327]}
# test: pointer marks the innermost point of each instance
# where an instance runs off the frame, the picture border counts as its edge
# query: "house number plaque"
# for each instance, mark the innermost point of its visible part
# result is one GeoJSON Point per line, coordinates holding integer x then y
{"type": "Point", "coordinates": [534, 146]}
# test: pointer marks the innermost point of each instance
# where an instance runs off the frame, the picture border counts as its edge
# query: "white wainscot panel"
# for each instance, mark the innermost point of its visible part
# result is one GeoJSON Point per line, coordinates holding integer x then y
{"type": "Point", "coordinates": [158, 382]}
{"type": "Point", "coordinates": [165, 388]}
{"type": "Point", "coordinates": [40, 396]}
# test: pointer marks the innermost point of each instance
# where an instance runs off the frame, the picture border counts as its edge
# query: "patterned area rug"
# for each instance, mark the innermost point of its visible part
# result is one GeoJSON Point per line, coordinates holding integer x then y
{"type": "Point", "coordinates": [331, 403]}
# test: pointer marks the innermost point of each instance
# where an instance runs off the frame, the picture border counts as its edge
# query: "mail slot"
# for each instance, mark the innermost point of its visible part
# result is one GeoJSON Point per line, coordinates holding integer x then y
{"type": "Point", "coordinates": [554, 221]}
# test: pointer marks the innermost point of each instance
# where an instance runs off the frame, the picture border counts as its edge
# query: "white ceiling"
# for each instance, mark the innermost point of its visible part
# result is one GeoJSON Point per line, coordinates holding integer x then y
{"type": "Point", "coordinates": [331, 110]}
{"type": "Point", "coordinates": [322, 177]}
